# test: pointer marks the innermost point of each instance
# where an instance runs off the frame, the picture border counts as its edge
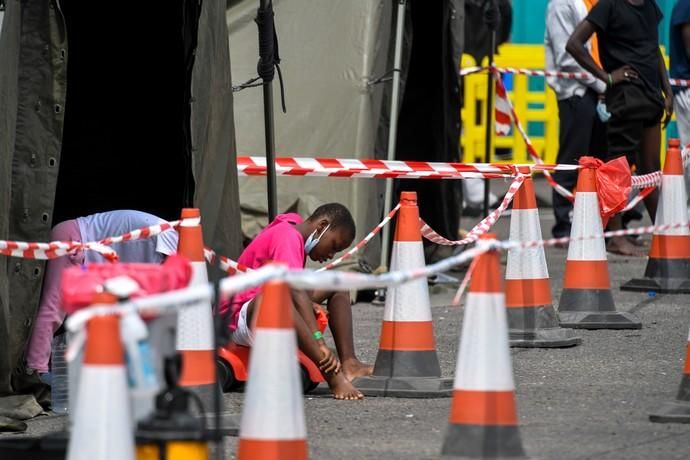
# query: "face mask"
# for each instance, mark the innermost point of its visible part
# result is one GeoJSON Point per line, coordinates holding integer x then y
{"type": "Point", "coordinates": [311, 242]}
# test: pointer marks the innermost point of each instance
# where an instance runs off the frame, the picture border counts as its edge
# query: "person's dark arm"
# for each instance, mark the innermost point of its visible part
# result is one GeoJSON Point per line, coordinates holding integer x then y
{"type": "Point", "coordinates": [666, 88]}
{"type": "Point", "coordinates": [576, 47]}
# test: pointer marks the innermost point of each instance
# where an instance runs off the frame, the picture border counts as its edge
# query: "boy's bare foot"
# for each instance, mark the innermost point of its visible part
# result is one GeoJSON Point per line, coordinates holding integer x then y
{"type": "Point", "coordinates": [622, 246]}
{"type": "Point", "coordinates": [342, 388]}
{"type": "Point", "coordinates": [353, 368]}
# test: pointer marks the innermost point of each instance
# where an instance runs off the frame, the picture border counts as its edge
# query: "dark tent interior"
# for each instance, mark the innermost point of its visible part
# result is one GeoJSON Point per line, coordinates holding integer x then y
{"type": "Point", "coordinates": [126, 136]}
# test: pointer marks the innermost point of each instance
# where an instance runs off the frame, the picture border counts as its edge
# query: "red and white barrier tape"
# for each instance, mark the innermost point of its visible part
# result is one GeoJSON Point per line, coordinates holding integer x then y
{"type": "Point", "coordinates": [552, 73]}
{"type": "Point", "coordinates": [362, 243]}
{"type": "Point", "coordinates": [566, 239]}
{"type": "Point", "coordinates": [383, 169]}
{"type": "Point", "coordinates": [506, 117]}
{"type": "Point", "coordinates": [482, 227]}
{"type": "Point", "coordinates": [647, 180]}
{"type": "Point", "coordinates": [52, 250]}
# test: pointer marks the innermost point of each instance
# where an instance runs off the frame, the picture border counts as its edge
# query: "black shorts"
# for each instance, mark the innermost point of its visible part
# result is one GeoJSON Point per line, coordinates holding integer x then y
{"type": "Point", "coordinates": [632, 110]}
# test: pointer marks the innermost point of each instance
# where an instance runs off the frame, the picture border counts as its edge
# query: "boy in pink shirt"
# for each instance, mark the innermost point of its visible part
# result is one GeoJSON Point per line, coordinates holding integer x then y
{"type": "Point", "coordinates": [288, 240]}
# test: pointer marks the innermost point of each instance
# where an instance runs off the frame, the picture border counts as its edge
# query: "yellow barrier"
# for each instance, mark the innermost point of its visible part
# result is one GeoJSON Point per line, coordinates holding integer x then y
{"type": "Point", "coordinates": [530, 106]}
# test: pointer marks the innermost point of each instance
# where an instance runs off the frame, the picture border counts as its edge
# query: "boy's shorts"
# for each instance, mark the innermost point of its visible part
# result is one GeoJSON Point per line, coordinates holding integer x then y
{"type": "Point", "coordinates": [244, 336]}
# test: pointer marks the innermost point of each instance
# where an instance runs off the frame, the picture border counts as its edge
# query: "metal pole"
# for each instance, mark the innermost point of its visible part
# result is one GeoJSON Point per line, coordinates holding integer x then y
{"type": "Point", "coordinates": [393, 131]}
{"type": "Point", "coordinates": [489, 118]}
{"type": "Point", "coordinates": [269, 132]}
{"type": "Point", "coordinates": [271, 188]}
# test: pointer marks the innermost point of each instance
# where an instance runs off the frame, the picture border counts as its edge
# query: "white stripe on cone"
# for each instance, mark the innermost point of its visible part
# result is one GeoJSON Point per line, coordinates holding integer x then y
{"type": "Point", "coordinates": [273, 406]}
{"type": "Point", "coordinates": [195, 323]}
{"type": "Point", "coordinates": [672, 205]}
{"type": "Point", "coordinates": [409, 301]}
{"type": "Point", "coordinates": [484, 345]}
{"type": "Point", "coordinates": [102, 426]}
{"type": "Point", "coordinates": [586, 222]}
{"type": "Point", "coordinates": [528, 263]}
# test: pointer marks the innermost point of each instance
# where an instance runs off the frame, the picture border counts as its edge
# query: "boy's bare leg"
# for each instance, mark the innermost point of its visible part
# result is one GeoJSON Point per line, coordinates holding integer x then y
{"type": "Point", "coordinates": [340, 322]}
{"type": "Point", "coordinates": [339, 385]}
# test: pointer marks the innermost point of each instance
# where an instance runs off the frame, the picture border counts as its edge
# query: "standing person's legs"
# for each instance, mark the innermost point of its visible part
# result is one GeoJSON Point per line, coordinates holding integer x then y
{"type": "Point", "coordinates": [681, 103]}
{"type": "Point", "coordinates": [50, 316]}
{"type": "Point", "coordinates": [577, 117]}
{"type": "Point", "coordinates": [634, 130]}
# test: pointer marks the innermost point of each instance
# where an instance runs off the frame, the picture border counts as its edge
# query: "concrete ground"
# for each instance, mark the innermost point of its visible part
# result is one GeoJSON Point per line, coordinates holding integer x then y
{"type": "Point", "coordinates": [587, 402]}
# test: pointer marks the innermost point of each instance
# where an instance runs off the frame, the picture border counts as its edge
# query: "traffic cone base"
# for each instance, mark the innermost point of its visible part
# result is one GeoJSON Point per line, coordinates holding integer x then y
{"type": "Point", "coordinates": [668, 266]}
{"type": "Point", "coordinates": [534, 328]}
{"type": "Point", "coordinates": [593, 309]}
{"type": "Point", "coordinates": [532, 320]}
{"type": "Point", "coordinates": [479, 441]}
{"type": "Point", "coordinates": [667, 276]}
{"type": "Point", "coordinates": [406, 363]}
{"type": "Point", "coordinates": [677, 411]}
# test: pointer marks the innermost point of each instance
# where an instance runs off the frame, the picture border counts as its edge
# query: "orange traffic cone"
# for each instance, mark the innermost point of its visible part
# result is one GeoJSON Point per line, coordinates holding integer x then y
{"type": "Point", "coordinates": [483, 420]}
{"type": "Point", "coordinates": [102, 426]}
{"type": "Point", "coordinates": [273, 426]}
{"type": "Point", "coordinates": [195, 340]}
{"type": "Point", "coordinates": [668, 267]}
{"type": "Point", "coordinates": [406, 364]}
{"type": "Point", "coordinates": [586, 299]}
{"type": "Point", "coordinates": [677, 411]}
{"type": "Point", "coordinates": [532, 320]}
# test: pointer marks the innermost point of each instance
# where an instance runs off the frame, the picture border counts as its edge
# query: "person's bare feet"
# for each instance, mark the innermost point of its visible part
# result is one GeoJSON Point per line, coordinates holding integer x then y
{"type": "Point", "coordinates": [622, 246]}
{"type": "Point", "coordinates": [353, 368]}
{"type": "Point", "coordinates": [342, 389]}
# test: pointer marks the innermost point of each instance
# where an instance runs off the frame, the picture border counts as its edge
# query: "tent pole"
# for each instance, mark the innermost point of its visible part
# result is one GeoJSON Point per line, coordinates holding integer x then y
{"type": "Point", "coordinates": [266, 62]}
{"type": "Point", "coordinates": [393, 131]}
{"type": "Point", "coordinates": [270, 151]}
{"type": "Point", "coordinates": [489, 118]}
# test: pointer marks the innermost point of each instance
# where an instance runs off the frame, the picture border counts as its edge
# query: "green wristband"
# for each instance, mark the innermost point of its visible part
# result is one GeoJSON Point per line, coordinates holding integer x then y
{"type": "Point", "coordinates": [317, 335]}
{"type": "Point", "coordinates": [610, 81]}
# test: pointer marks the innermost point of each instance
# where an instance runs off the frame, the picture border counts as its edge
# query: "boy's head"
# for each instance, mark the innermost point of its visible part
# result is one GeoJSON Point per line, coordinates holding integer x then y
{"type": "Point", "coordinates": [333, 228]}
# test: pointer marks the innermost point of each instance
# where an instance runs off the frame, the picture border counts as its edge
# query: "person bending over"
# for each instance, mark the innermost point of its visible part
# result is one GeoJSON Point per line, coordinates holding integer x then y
{"type": "Point", "coordinates": [84, 229]}
{"type": "Point", "coordinates": [638, 93]}
{"type": "Point", "coordinates": [289, 240]}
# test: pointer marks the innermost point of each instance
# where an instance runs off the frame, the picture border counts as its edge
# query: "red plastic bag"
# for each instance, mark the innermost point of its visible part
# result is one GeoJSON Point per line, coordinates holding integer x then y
{"type": "Point", "coordinates": [613, 184]}
{"type": "Point", "coordinates": [78, 285]}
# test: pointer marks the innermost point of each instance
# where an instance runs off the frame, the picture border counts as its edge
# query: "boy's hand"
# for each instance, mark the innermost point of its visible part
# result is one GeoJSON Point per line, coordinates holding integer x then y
{"type": "Point", "coordinates": [329, 362]}
{"type": "Point", "coordinates": [668, 109]}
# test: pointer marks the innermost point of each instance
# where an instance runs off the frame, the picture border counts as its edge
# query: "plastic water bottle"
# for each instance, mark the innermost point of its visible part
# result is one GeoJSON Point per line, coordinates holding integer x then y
{"type": "Point", "coordinates": [59, 388]}
{"type": "Point", "coordinates": [141, 370]}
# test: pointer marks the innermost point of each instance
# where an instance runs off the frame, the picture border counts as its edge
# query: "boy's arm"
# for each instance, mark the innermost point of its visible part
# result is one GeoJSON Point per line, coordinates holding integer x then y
{"type": "Point", "coordinates": [666, 88]}
{"type": "Point", "coordinates": [303, 304]}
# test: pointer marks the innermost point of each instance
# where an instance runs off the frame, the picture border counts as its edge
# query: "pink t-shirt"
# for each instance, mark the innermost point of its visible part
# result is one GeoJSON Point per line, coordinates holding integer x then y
{"type": "Point", "coordinates": [279, 242]}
